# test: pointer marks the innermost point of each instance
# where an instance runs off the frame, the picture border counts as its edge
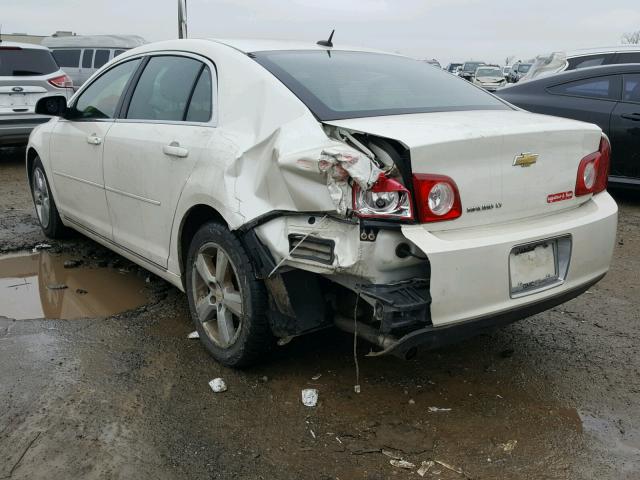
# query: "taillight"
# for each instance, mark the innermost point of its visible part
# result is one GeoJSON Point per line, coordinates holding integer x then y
{"type": "Point", "coordinates": [593, 171]}
{"type": "Point", "coordinates": [437, 198]}
{"type": "Point", "coordinates": [63, 81]}
{"type": "Point", "coordinates": [386, 199]}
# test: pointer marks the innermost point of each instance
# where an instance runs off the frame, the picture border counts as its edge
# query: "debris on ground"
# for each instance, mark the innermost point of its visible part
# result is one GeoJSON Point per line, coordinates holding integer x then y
{"type": "Point", "coordinates": [316, 377]}
{"type": "Point", "coordinates": [412, 401]}
{"type": "Point", "coordinates": [194, 334]}
{"type": "Point", "coordinates": [309, 397]}
{"type": "Point", "coordinates": [425, 466]}
{"type": "Point", "coordinates": [264, 379]}
{"type": "Point", "coordinates": [438, 409]}
{"type": "Point", "coordinates": [218, 385]}
{"type": "Point", "coordinates": [402, 464]}
{"type": "Point", "coordinates": [72, 263]}
{"type": "Point", "coordinates": [356, 388]}
{"type": "Point", "coordinates": [57, 286]}
{"type": "Point", "coordinates": [81, 291]}
{"type": "Point", "coordinates": [390, 454]}
{"type": "Point", "coordinates": [509, 446]}
{"type": "Point", "coordinates": [451, 467]}
{"type": "Point", "coordinates": [41, 246]}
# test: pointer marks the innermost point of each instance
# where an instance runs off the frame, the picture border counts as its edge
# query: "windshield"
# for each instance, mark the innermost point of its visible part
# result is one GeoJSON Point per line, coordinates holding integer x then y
{"type": "Point", "coordinates": [524, 68]}
{"type": "Point", "coordinates": [16, 61]}
{"type": "Point", "coordinates": [488, 72]}
{"type": "Point", "coordinates": [338, 84]}
{"type": "Point", "coordinates": [471, 66]}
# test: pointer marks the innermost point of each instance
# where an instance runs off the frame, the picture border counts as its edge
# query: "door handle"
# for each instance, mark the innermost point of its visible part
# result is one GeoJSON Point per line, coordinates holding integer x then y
{"type": "Point", "coordinates": [631, 116]}
{"type": "Point", "coordinates": [175, 150]}
{"type": "Point", "coordinates": [93, 139]}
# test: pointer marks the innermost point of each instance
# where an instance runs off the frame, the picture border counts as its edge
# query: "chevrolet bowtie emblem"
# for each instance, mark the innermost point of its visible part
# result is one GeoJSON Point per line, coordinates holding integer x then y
{"type": "Point", "coordinates": [525, 159]}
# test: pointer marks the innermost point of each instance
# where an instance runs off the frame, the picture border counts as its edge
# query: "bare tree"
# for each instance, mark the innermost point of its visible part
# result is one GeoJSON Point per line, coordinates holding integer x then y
{"type": "Point", "coordinates": [631, 38]}
{"type": "Point", "coordinates": [509, 60]}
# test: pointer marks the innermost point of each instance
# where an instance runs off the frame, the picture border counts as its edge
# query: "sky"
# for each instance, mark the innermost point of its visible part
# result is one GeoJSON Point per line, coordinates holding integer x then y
{"type": "Point", "coordinates": [448, 30]}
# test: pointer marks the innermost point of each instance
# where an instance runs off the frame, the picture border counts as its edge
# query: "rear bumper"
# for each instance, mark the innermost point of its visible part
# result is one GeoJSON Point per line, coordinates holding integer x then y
{"type": "Point", "coordinates": [470, 267]}
{"type": "Point", "coordinates": [15, 129]}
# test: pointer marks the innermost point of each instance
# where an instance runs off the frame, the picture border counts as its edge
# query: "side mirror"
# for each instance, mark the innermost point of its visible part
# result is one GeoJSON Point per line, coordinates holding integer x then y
{"type": "Point", "coordinates": [55, 106]}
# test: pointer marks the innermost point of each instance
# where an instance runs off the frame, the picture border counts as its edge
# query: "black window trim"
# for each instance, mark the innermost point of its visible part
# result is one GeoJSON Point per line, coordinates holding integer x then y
{"type": "Point", "coordinates": [121, 113]}
{"type": "Point", "coordinates": [617, 93]}
{"type": "Point", "coordinates": [622, 100]}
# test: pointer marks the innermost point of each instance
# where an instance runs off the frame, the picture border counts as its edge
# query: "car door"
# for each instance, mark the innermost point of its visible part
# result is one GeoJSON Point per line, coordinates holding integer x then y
{"type": "Point", "coordinates": [76, 149]}
{"type": "Point", "coordinates": [167, 123]}
{"type": "Point", "coordinates": [625, 130]}
{"type": "Point", "coordinates": [589, 99]}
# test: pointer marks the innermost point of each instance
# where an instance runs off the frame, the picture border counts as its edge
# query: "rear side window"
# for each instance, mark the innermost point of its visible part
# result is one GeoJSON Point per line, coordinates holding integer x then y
{"type": "Point", "coordinates": [628, 57]}
{"type": "Point", "coordinates": [631, 91]}
{"type": "Point", "coordinates": [590, 61]}
{"type": "Point", "coordinates": [15, 61]}
{"type": "Point", "coordinates": [118, 52]}
{"type": "Point", "coordinates": [200, 105]}
{"type": "Point", "coordinates": [102, 57]}
{"type": "Point", "coordinates": [101, 98]}
{"type": "Point", "coordinates": [164, 88]}
{"type": "Point", "coordinates": [599, 87]}
{"type": "Point", "coordinates": [87, 58]}
{"type": "Point", "coordinates": [67, 58]}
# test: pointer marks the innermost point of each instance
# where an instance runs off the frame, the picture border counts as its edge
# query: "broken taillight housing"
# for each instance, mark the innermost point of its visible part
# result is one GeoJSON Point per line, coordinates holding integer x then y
{"type": "Point", "coordinates": [593, 171]}
{"type": "Point", "coordinates": [386, 199]}
{"type": "Point", "coordinates": [62, 81]}
{"type": "Point", "coordinates": [437, 198]}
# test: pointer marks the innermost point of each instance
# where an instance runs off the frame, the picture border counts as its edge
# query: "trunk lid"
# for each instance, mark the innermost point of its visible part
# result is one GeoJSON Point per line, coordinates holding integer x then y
{"type": "Point", "coordinates": [477, 149]}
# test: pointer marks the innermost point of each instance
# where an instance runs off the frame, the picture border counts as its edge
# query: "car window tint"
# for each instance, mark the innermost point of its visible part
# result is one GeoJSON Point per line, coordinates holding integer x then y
{"type": "Point", "coordinates": [67, 58]}
{"type": "Point", "coordinates": [599, 87]}
{"type": "Point", "coordinates": [200, 104]}
{"type": "Point", "coordinates": [631, 92]}
{"type": "Point", "coordinates": [628, 57]}
{"type": "Point", "coordinates": [164, 87]}
{"type": "Point", "coordinates": [100, 99]}
{"type": "Point", "coordinates": [118, 52]}
{"type": "Point", "coordinates": [87, 58]}
{"type": "Point", "coordinates": [26, 61]}
{"type": "Point", "coordinates": [586, 61]}
{"type": "Point", "coordinates": [102, 57]}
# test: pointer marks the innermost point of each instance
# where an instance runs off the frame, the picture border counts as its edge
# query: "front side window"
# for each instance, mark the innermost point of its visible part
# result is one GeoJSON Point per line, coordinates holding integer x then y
{"type": "Point", "coordinates": [87, 58]}
{"type": "Point", "coordinates": [599, 87]}
{"type": "Point", "coordinates": [164, 88]}
{"type": "Point", "coordinates": [102, 57]}
{"type": "Point", "coordinates": [628, 57]}
{"type": "Point", "coordinates": [101, 98]}
{"type": "Point", "coordinates": [16, 61]}
{"type": "Point", "coordinates": [340, 84]}
{"type": "Point", "coordinates": [67, 58]}
{"type": "Point", "coordinates": [631, 92]}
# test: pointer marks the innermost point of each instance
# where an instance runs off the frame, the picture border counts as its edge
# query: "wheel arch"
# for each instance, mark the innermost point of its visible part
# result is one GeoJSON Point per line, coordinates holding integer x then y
{"type": "Point", "coordinates": [192, 220]}
{"type": "Point", "coordinates": [31, 158]}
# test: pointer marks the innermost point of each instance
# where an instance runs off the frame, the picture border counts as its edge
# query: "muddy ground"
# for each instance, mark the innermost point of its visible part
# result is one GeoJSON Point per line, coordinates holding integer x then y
{"type": "Point", "coordinates": [126, 396]}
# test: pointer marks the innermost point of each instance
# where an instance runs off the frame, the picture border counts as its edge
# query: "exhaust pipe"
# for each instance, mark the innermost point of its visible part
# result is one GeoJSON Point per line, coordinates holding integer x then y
{"type": "Point", "coordinates": [365, 332]}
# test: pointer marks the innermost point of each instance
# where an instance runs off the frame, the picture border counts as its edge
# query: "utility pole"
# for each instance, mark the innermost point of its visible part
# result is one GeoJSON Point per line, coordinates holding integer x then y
{"type": "Point", "coordinates": [182, 18]}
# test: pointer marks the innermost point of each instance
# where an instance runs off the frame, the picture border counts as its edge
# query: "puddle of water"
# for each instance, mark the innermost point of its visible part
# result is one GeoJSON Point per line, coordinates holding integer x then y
{"type": "Point", "coordinates": [28, 289]}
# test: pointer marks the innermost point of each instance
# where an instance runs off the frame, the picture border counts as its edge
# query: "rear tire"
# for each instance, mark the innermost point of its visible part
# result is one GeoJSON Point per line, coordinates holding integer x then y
{"type": "Point", "coordinates": [45, 205]}
{"type": "Point", "coordinates": [227, 302]}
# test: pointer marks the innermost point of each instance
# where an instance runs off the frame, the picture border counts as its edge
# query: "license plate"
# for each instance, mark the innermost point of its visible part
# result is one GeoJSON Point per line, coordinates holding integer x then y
{"type": "Point", "coordinates": [533, 267]}
{"type": "Point", "coordinates": [14, 100]}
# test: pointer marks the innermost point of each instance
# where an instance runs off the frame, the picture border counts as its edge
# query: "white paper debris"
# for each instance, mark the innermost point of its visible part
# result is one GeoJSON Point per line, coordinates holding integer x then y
{"type": "Point", "coordinates": [316, 377]}
{"type": "Point", "coordinates": [310, 397]}
{"type": "Point", "coordinates": [437, 409]}
{"type": "Point", "coordinates": [402, 464]}
{"type": "Point", "coordinates": [41, 246]}
{"type": "Point", "coordinates": [424, 467]}
{"type": "Point", "coordinates": [509, 446]}
{"type": "Point", "coordinates": [218, 385]}
{"type": "Point", "coordinates": [194, 334]}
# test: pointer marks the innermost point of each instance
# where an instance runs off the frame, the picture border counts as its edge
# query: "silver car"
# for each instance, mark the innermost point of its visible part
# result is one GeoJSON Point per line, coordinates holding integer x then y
{"type": "Point", "coordinates": [27, 73]}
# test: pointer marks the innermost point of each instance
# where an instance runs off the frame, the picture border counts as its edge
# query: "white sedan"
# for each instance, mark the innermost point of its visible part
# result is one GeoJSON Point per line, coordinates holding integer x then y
{"type": "Point", "coordinates": [290, 187]}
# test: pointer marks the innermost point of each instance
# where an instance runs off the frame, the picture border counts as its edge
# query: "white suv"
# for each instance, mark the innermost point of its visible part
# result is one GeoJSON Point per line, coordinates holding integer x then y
{"type": "Point", "coordinates": [290, 187]}
{"type": "Point", "coordinates": [27, 73]}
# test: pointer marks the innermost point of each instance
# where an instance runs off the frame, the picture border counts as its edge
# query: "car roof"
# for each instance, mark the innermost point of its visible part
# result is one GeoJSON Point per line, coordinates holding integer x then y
{"type": "Point", "coordinates": [250, 45]}
{"type": "Point", "coordinates": [24, 46]}
{"type": "Point", "coordinates": [105, 41]}
{"type": "Point", "coordinates": [590, 51]}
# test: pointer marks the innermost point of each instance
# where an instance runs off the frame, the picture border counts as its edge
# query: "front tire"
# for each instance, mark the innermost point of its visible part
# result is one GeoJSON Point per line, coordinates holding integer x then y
{"type": "Point", "coordinates": [45, 205]}
{"type": "Point", "coordinates": [227, 302]}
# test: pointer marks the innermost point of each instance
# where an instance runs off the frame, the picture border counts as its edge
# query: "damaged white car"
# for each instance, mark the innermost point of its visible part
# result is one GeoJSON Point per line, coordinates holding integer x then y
{"type": "Point", "coordinates": [290, 187]}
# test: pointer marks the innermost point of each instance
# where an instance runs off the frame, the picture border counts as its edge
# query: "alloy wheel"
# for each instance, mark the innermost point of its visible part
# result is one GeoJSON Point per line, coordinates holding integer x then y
{"type": "Point", "coordinates": [41, 197]}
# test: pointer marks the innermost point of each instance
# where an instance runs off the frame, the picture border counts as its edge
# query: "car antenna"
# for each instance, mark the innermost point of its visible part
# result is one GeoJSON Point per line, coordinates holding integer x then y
{"type": "Point", "coordinates": [328, 42]}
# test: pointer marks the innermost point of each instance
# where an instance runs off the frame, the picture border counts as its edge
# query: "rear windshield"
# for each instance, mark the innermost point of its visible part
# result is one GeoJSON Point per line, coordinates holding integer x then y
{"type": "Point", "coordinates": [337, 85]}
{"type": "Point", "coordinates": [16, 61]}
